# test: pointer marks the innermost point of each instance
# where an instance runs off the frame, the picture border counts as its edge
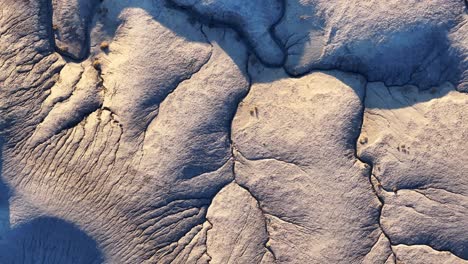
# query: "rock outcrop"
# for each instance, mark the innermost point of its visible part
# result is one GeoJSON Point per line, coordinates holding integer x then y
{"type": "Point", "coordinates": [219, 131]}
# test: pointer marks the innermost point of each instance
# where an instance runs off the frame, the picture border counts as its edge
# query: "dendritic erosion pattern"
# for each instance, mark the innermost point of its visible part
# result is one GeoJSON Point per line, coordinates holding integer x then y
{"type": "Point", "coordinates": [233, 131]}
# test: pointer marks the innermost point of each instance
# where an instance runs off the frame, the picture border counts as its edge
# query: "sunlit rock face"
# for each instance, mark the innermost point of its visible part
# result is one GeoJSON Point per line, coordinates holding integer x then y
{"type": "Point", "coordinates": [222, 131]}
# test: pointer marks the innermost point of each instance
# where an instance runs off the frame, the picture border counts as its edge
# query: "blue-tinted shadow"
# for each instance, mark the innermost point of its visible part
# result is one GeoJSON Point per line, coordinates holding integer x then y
{"type": "Point", "coordinates": [48, 240]}
{"type": "Point", "coordinates": [4, 201]}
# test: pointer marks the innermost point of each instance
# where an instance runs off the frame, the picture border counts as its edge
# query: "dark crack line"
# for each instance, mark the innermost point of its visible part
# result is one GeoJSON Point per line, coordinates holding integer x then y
{"type": "Point", "coordinates": [211, 22]}
{"type": "Point", "coordinates": [366, 77]}
{"type": "Point", "coordinates": [429, 246]}
{"type": "Point", "coordinates": [68, 57]}
{"type": "Point", "coordinates": [370, 171]}
{"type": "Point", "coordinates": [268, 158]}
{"type": "Point", "coordinates": [266, 245]}
{"type": "Point", "coordinates": [188, 78]}
{"type": "Point", "coordinates": [210, 258]}
{"type": "Point", "coordinates": [234, 157]}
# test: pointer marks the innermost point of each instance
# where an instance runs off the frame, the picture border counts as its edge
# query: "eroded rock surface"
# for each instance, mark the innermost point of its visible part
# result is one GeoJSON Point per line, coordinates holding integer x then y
{"type": "Point", "coordinates": [418, 143]}
{"type": "Point", "coordinates": [307, 180]}
{"type": "Point", "coordinates": [396, 42]}
{"type": "Point", "coordinates": [103, 157]}
{"type": "Point", "coordinates": [253, 19]}
{"type": "Point", "coordinates": [423, 255]}
{"type": "Point", "coordinates": [152, 131]}
{"type": "Point", "coordinates": [71, 21]}
{"type": "Point", "coordinates": [238, 233]}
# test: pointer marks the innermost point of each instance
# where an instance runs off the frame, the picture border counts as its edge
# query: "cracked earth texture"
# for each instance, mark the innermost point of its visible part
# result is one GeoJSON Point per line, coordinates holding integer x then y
{"type": "Point", "coordinates": [233, 131]}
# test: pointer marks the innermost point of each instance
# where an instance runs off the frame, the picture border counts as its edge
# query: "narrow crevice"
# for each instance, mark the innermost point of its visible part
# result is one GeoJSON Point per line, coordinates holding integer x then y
{"type": "Point", "coordinates": [234, 157]}
{"type": "Point", "coordinates": [155, 112]}
{"type": "Point", "coordinates": [272, 31]}
{"type": "Point", "coordinates": [50, 24]}
{"type": "Point", "coordinates": [211, 22]}
{"type": "Point", "coordinates": [366, 77]}
{"type": "Point", "coordinates": [370, 176]}
{"type": "Point", "coordinates": [210, 258]}
{"type": "Point", "coordinates": [267, 242]}
{"type": "Point", "coordinates": [376, 184]}
{"type": "Point", "coordinates": [86, 44]}
{"type": "Point", "coordinates": [269, 158]}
